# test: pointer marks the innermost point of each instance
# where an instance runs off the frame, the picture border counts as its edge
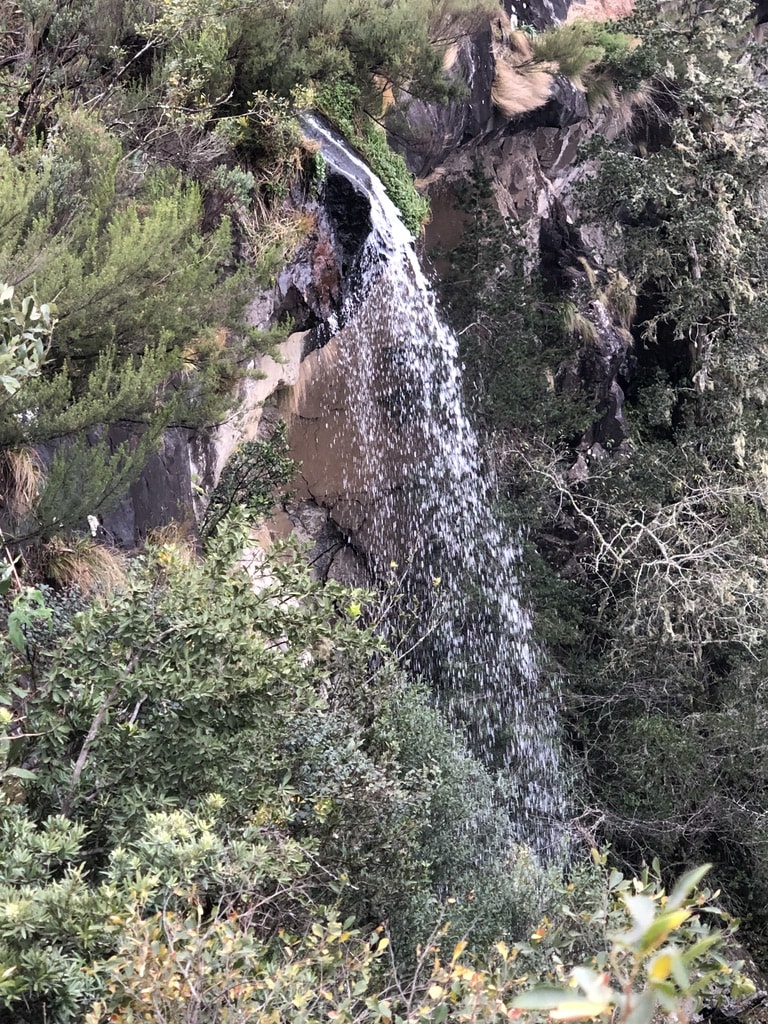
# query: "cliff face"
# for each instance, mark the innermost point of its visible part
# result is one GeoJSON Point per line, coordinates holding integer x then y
{"type": "Point", "coordinates": [527, 154]}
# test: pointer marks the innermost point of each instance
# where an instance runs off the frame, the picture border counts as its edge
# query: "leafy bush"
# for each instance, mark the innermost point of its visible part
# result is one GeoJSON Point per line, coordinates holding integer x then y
{"type": "Point", "coordinates": [229, 733]}
{"type": "Point", "coordinates": [133, 275]}
{"type": "Point", "coordinates": [24, 339]}
{"type": "Point", "coordinates": [585, 51]}
{"type": "Point", "coordinates": [249, 480]}
{"type": "Point", "coordinates": [185, 967]}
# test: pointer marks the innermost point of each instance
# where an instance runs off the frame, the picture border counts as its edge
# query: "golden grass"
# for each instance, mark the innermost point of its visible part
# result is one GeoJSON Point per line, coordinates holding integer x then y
{"type": "Point", "coordinates": [584, 329]}
{"type": "Point", "coordinates": [81, 562]}
{"type": "Point", "coordinates": [518, 85]}
{"type": "Point", "coordinates": [21, 477]}
{"type": "Point", "coordinates": [589, 270]}
{"type": "Point", "coordinates": [516, 92]}
{"type": "Point", "coordinates": [179, 537]}
{"type": "Point", "coordinates": [574, 323]}
{"type": "Point", "coordinates": [639, 104]}
{"type": "Point", "coordinates": [619, 297]}
{"type": "Point", "coordinates": [450, 56]}
{"type": "Point", "coordinates": [273, 237]}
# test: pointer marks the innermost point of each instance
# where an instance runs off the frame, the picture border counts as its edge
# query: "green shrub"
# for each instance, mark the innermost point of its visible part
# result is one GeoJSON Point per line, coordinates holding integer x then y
{"type": "Point", "coordinates": [250, 479]}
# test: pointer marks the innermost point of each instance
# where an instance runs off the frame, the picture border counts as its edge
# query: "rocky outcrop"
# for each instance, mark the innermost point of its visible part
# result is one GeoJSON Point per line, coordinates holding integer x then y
{"type": "Point", "coordinates": [310, 293]}
{"type": "Point", "coordinates": [531, 163]}
{"type": "Point", "coordinates": [538, 13]}
{"type": "Point", "coordinates": [528, 155]}
{"type": "Point", "coordinates": [426, 133]}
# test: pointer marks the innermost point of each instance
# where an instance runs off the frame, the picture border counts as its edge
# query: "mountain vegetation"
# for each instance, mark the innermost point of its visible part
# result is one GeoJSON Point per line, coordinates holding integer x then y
{"type": "Point", "coordinates": [223, 797]}
{"type": "Point", "coordinates": [649, 576]}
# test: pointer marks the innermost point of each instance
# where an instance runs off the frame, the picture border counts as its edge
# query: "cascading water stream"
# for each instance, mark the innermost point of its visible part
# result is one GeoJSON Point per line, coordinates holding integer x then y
{"type": "Point", "coordinates": [411, 459]}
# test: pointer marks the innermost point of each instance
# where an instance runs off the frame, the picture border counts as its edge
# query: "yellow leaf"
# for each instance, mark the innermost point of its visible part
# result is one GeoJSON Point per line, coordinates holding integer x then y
{"type": "Point", "coordinates": [661, 967]}
{"type": "Point", "coordinates": [581, 1010]}
{"type": "Point", "coordinates": [458, 949]}
{"type": "Point", "coordinates": [436, 992]}
{"type": "Point", "coordinates": [503, 950]}
{"type": "Point", "coordinates": [677, 917]}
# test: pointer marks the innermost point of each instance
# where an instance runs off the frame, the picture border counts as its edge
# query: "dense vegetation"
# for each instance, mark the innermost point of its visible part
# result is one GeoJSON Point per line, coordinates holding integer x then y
{"type": "Point", "coordinates": [222, 797]}
{"type": "Point", "coordinates": [146, 164]}
{"type": "Point", "coordinates": [650, 582]}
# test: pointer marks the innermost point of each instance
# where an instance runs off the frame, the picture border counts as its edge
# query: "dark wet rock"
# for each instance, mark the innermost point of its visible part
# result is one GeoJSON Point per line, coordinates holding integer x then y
{"type": "Point", "coordinates": [161, 495]}
{"type": "Point", "coordinates": [538, 13]}
{"type": "Point", "coordinates": [566, 106]}
{"type": "Point", "coordinates": [426, 133]}
{"type": "Point", "coordinates": [331, 556]}
{"type": "Point", "coordinates": [597, 370]}
{"type": "Point", "coordinates": [349, 214]}
{"type": "Point", "coordinates": [310, 289]}
{"type": "Point", "coordinates": [561, 250]}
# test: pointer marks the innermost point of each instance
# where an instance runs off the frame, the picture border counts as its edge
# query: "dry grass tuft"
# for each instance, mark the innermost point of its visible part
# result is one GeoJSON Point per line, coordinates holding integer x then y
{"type": "Point", "coordinates": [584, 329]}
{"type": "Point", "coordinates": [450, 56]}
{"type": "Point", "coordinates": [21, 477]}
{"type": "Point", "coordinates": [516, 92]}
{"type": "Point", "coordinates": [574, 323]}
{"type": "Point", "coordinates": [601, 92]}
{"type": "Point", "coordinates": [81, 562]}
{"type": "Point", "coordinates": [619, 297]}
{"type": "Point", "coordinates": [174, 545]}
{"type": "Point", "coordinates": [589, 271]}
{"type": "Point", "coordinates": [640, 105]}
{"type": "Point", "coordinates": [271, 237]}
{"type": "Point", "coordinates": [518, 85]}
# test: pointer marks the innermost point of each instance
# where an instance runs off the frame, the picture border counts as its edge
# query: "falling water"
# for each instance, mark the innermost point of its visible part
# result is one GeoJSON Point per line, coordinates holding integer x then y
{"type": "Point", "coordinates": [412, 468]}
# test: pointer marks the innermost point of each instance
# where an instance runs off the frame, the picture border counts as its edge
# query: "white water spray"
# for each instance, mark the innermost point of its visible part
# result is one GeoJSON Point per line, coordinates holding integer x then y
{"type": "Point", "coordinates": [411, 462]}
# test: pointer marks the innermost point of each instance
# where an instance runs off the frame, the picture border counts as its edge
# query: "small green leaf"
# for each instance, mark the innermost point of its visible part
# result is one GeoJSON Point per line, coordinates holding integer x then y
{"type": "Point", "coordinates": [686, 885]}
{"type": "Point", "coordinates": [539, 999]}
{"type": "Point", "coordinates": [20, 773]}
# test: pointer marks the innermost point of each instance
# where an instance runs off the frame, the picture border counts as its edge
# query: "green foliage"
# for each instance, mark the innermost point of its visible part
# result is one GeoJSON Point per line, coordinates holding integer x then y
{"type": "Point", "coordinates": [228, 735]}
{"type": "Point", "coordinates": [338, 102]}
{"type": "Point", "coordinates": [514, 338]}
{"type": "Point", "coordinates": [52, 49]}
{"type": "Point", "coordinates": [246, 65]}
{"type": "Point", "coordinates": [28, 607]}
{"type": "Point", "coordinates": [24, 338]}
{"type": "Point", "coordinates": [250, 478]}
{"type": "Point", "coordinates": [172, 964]}
{"type": "Point", "coordinates": [661, 964]}
{"type": "Point", "coordinates": [597, 56]}
{"type": "Point", "coordinates": [133, 277]}
{"type": "Point", "coordinates": [657, 553]}
{"type": "Point", "coordinates": [276, 47]}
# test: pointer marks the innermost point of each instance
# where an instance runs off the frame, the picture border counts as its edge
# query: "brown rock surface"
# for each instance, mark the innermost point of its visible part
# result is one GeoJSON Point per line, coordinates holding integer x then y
{"type": "Point", "coordinates": [600, 10]}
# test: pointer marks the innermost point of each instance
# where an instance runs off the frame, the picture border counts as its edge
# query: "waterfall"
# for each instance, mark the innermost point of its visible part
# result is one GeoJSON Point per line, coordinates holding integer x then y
{"type": "Point", "coordinates": [421, 498]}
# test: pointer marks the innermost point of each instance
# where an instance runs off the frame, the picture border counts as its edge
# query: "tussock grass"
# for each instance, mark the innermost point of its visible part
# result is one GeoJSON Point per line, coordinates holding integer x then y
{"type": "Point", "coordinates": [574, 323]}
{"type": "Point", "coordinates": [81, 562]}
{"type": "Point", "coordinates": [174, 544]}
{"type": "Point", "coordinates": [21, 477]}
{"type": "Point", "coordinates": [519, 85]}
{"type": "Point", "coordinates": [620, 299]}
